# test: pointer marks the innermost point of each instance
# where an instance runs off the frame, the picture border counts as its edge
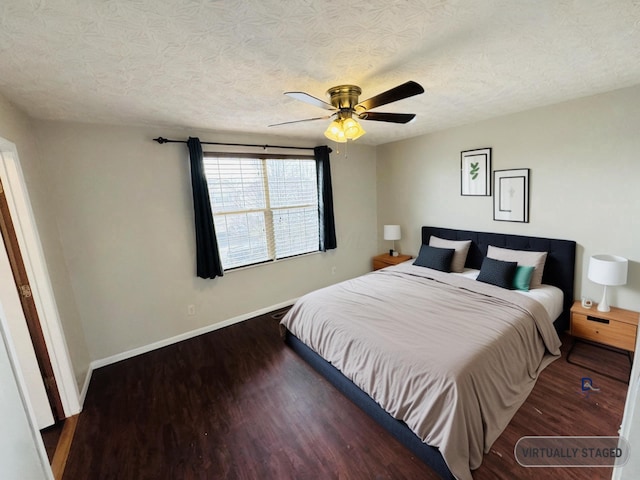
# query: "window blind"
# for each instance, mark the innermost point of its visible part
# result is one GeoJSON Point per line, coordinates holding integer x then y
{"type": "Point", "coordinates": [263, 208]}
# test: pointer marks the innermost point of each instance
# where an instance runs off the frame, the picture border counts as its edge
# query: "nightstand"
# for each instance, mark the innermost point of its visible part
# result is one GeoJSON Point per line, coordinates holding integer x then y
{"type": "Point", "coordinates": [385, 260]}
{"type": "Point", "coordinates": [617, 329]}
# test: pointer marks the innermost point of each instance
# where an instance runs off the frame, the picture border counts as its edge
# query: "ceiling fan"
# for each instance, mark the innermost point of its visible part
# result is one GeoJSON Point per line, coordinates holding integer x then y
{"type": "Point", "coordinates": [344, 105]}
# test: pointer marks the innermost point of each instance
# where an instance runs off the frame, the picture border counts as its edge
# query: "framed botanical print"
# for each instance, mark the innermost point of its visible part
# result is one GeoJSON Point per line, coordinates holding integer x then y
{"type": "Point", "coordinates": [475, 172]}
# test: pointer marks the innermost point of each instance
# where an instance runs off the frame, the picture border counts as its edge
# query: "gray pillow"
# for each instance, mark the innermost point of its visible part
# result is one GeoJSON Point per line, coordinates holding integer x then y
{"type": "Point", "coordinates": [461, 248]}
{"type": "Point", "coordinates": [524, 258]}
{"type": "Point", "coordinates": [436, 258]}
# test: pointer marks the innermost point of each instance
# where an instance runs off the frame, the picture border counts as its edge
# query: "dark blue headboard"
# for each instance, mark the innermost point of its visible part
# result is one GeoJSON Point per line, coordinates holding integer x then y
{"type": "Point", "coordinates": [558, 269]}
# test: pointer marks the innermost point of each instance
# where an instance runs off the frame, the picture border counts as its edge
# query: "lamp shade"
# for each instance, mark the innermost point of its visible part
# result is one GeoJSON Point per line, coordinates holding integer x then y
{"type": "Point", "coordinates": [392, 232]}
{"type": "Point", "coordinates": [608, 269]}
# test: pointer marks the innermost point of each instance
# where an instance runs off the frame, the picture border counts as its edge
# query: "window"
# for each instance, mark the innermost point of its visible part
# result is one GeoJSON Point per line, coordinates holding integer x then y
{"type": "Point", "coordinates": [263, 208]}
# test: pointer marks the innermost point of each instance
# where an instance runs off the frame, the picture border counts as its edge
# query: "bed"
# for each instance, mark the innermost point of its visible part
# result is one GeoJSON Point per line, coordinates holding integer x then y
{"type": "Point", "coordinates": [443, 361]}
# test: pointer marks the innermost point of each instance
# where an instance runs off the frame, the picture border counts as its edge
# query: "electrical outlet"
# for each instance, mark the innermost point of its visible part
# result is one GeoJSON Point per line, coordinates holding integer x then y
{"type": "Point", "coordinates": [191, 309]}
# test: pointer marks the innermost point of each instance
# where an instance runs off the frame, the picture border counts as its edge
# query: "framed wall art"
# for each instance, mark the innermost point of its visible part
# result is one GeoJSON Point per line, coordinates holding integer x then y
{"type": "Point", "coordinates": [475, 172]}
{"type": "Point", "coordinates": [511, 196]}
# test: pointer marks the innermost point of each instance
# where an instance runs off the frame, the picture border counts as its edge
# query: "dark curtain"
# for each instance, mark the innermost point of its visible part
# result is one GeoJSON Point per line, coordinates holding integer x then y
{"type": "Point", "coordinates": [207, 255]}
{"type": "Point", "coordinates": [325, 197]}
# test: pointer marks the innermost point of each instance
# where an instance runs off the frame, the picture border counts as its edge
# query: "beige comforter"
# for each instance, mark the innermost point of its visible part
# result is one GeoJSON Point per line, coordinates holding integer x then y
{"type": "Point", "coordinates": [451, 357]}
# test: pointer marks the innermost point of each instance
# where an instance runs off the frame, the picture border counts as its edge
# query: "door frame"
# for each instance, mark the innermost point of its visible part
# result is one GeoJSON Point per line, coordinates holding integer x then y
{"type": "Point", "coordinates": [36, 268]}
{"type": "Point", "coordinates": [31, 317]}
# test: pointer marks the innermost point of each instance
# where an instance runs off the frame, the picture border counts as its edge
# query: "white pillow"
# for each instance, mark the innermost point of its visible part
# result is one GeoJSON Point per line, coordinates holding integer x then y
{"type": "Point", "coordinates": [461, 248]}
{"type": "Point", "coordinates": [524, 258]}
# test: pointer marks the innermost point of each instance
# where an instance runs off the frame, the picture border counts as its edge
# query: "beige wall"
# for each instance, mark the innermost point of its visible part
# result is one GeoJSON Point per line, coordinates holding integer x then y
{"type": "Point", "coordinates": [17, 128]}
{"type": "Point", "coordinates": [585, 166]}
{"type": "Point", "coordinates": [124, 209]}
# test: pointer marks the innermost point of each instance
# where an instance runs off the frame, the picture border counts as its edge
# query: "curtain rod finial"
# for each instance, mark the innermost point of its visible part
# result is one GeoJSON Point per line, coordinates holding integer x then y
{"type": "Point", "coordinates": [160, 140]}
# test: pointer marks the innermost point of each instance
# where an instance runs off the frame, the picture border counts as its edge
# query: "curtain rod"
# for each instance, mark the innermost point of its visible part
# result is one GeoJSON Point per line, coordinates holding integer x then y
{"type": "Point", "coordinates": [162, 140]}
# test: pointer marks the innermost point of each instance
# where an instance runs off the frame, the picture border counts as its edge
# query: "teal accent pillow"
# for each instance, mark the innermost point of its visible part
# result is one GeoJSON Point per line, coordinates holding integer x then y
{"type": "Point", "coordinates": [522, 278]}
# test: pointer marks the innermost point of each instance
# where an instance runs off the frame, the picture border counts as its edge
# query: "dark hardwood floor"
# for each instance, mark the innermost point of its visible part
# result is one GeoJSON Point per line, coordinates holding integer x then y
{"type": "Point", "coordinates": [238, 404]}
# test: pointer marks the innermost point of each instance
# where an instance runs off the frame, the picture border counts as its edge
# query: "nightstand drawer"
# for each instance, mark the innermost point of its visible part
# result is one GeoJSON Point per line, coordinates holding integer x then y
{"type": "Point", "coordinates": [616, 334]}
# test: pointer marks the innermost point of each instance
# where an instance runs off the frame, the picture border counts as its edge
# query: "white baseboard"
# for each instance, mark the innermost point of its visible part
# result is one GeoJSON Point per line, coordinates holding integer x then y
{"type": "Point", "coordinates": [85, 386]}
{"type": "Point", "coordinates": [170, 341]}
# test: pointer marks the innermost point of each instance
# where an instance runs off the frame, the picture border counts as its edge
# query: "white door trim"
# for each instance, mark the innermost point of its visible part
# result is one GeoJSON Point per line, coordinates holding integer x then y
{"type": "Point", "coordinates": [36, 267]}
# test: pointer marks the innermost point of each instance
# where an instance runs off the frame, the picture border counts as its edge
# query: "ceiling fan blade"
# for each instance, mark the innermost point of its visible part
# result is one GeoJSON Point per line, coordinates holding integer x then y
{"type": "Point", "coordinates": [406, 90]}
{"type": "Point", "coordinates": [299, 121]}
{"type": "Point", "coordinates": [305, 97]}
{"type": "Point", "coordinates": [387, 117]}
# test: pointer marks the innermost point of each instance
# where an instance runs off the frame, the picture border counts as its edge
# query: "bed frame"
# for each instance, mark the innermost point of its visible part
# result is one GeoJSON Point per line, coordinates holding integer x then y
{"type": "Point", "coordinates": [558, 271]}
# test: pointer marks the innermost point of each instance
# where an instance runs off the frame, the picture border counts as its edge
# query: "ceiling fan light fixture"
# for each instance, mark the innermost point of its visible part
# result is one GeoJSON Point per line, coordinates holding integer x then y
{"type": "Point", "coordinates": [352, 129]}
{"type": "Point", "coordinates": [335, 131]}
{"type": "Point", "coordinates": [341, 130]}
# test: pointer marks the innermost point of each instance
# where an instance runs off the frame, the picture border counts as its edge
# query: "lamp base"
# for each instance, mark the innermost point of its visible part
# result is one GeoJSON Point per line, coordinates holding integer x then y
{"type": "Point", "coordinates": [603, 306]}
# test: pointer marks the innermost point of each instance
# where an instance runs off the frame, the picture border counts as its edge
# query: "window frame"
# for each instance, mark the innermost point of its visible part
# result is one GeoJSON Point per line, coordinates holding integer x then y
{"type": "Point", "coordinates": [268, 210]}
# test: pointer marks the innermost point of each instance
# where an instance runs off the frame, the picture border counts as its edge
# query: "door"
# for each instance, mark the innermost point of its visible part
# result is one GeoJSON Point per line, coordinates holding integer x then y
{"type": "Point", "coordinates": [49, 408]}
{"type": "Point", "coordinates": [22, 454]}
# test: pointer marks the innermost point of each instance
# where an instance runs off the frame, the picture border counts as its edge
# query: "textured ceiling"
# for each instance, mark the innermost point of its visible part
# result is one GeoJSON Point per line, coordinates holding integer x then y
{"type": "Point", "coordinates": [224, 64]}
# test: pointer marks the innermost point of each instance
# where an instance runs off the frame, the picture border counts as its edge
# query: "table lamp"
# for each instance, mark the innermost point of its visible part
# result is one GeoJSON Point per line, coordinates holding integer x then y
{"type": "Point", "coordinates": [607, 270]}
{"type": "Point", "coordinates": [392, 232]}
